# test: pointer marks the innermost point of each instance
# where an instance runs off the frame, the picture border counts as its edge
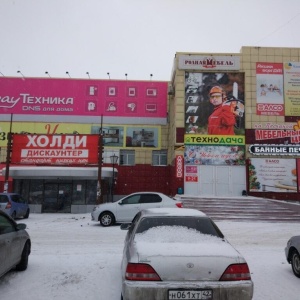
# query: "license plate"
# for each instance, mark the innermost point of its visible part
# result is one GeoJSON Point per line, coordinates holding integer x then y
{"type": "Point", "coordinates": [190, 294]}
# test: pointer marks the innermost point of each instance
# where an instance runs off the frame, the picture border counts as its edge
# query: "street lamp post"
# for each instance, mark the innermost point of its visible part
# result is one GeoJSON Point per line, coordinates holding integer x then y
{"type": "Point", "coordinates": [114, 160]}
{"type": "Point", "coordinates": [100, 158]}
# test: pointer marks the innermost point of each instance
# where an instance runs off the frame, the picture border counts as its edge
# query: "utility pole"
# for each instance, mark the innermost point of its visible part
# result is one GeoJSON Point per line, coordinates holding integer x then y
{"type": "Point", "coordinates": [8, 154]}
{"type": "Point", "coordinates": [100, 159]}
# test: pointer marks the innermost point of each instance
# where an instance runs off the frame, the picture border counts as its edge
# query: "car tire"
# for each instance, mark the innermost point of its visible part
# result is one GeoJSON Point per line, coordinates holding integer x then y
{"type": "Point", "coordinates": [14, 215]}
{"type": "Point", "coordinates": [107, 219]}
{"type": "Point", "coordinates": [27, 214]}
{"type": "Point", "coordinates": [22, 266]}
{"type": "Point", "coordinates": [295, 261]}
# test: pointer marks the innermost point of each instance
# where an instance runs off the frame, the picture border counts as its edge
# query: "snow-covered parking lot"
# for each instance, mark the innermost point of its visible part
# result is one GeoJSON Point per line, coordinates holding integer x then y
{"type": "Point", "coordinates": [74, 258]}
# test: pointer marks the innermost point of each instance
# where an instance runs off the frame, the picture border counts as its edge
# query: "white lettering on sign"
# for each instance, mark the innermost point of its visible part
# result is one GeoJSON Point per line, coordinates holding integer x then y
{"type": "Point", "coordinates": [32, 102]}
{"type": "Point", "coordinates": [27, 99]}
{"type": "Point", "coordinates": [67, 141]}
{"type": "Point", "coordinates": [269, 107]}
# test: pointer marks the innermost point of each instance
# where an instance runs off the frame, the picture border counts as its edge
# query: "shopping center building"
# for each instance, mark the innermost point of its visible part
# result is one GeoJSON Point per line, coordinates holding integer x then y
{"type": "Point", "coordinates": [226, 124]}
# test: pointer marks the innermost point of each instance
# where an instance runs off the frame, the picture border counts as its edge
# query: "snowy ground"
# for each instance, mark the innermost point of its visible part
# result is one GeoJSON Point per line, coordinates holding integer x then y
{"type": "Point", "coordinates": [74, 258]}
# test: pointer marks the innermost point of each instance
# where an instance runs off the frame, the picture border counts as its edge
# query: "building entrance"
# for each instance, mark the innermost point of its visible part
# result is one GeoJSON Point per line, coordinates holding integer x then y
{"type": "Point", "coordinates": [57, 197]}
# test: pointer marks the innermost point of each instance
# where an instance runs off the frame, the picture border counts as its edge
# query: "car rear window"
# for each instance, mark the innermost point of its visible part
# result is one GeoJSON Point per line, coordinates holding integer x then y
{"type": "Point", "coordinates": [202, 224]}
{"type": "Point", "coordinates": [3, 199]}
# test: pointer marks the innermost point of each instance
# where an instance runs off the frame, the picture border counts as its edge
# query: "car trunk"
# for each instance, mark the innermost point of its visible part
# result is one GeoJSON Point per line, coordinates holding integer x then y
{"type": "Point", "coordinates": [189, 262]}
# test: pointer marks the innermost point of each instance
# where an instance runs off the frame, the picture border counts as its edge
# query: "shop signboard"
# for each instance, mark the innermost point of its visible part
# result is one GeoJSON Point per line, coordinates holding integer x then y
{"type": "Point", "coordinates": [207, 62]}
{"type": "Point", "coordinates": [42, 149]}
{"type": "Point", "coordinates": [83, 101]}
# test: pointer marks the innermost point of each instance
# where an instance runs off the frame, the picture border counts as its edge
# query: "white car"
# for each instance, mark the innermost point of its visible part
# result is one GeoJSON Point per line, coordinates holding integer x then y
{"type": "Point", "coordinates": [125, 209]}
{"type": "Point", "coordinates": [172, 254]}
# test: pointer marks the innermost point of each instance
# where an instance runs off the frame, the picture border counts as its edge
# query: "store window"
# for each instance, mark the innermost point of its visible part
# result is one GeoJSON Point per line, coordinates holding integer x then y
{"type": "Point", "coordinates": [78, 194]}
{"type": "Point", "coordinates": [127, 157]}
{"type": "Point", "coordinates": [91, 192]}
{"type": "Point", "coordinates": [159, 157]}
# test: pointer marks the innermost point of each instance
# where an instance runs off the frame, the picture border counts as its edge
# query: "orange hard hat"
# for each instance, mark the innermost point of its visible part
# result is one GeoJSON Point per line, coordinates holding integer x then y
{"type": "Point", "coordinates": [216, 89]}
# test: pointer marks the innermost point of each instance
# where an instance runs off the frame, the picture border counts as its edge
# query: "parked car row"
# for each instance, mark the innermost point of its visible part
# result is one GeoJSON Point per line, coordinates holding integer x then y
{"type": "Point", "coordinates": [170, 252]}
{"type": "Point", "coordinates": [14, 205]}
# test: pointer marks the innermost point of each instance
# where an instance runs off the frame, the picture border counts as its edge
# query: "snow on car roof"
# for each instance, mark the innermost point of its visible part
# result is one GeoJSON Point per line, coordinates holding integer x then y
{"type": "Point", "coordinates": [175, 212]}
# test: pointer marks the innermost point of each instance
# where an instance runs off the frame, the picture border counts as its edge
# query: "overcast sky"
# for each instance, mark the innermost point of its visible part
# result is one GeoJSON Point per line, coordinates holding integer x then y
{"type": "Point", "coordinates": [137, 37]}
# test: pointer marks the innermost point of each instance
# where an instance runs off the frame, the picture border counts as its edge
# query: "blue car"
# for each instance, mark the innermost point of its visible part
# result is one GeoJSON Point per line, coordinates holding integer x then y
{"type": "Point", "coordinates": [14, 205]}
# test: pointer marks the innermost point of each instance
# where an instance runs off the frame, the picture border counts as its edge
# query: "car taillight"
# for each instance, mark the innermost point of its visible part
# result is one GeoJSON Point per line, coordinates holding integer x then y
{"type": "Point", "coordinates": [8, 205]}
{"type": "Point", "coordinates": [141, 272]}
{"type": "Point", "coordinates": [236, 272]}
{"type": "Point", "coordinates": [179, 204]}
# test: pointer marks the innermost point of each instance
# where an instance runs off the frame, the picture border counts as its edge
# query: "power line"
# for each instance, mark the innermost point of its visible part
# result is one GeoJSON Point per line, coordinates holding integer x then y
{"type": "Point", "coordinates": [279, 28]}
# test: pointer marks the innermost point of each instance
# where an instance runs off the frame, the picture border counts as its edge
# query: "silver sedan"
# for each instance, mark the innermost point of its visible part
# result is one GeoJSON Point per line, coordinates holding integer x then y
{"type": "Point", "coordinates": [292, 253]}
{"type": "Point", "coordinates": [15, 245]}
{"type": "Point", "coordinates": [172, 254]}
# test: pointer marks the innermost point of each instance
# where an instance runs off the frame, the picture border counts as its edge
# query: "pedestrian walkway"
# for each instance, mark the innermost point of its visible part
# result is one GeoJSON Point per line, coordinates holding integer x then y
{"type": "Point", "coordinates": [244, 208]}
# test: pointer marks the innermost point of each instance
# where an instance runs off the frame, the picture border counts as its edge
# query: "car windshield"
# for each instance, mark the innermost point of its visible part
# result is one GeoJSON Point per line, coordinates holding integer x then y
{"type": "Point", "coordinates": [202, 224]}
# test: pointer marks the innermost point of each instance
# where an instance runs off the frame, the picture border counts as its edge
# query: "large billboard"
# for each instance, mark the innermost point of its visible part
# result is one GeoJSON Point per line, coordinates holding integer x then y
{"type": "Point", "coordinates": [207, 115]}
{"type": "Point", "coordinates": [83, 101]}
{"type": "Point", "coordinates": [214, 118]}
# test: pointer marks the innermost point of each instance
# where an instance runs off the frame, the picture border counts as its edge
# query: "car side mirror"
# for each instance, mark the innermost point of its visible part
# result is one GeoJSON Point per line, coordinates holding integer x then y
{"type": "Point", "coordinates": [125, 226]}
{"type": "Point", "coordinates": [120, 202]}
{"type": "Point", "coordinates": [21, 226]}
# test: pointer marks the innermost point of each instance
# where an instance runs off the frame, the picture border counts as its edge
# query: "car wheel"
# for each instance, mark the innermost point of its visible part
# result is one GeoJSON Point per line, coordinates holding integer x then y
{"type": "Point", "coordinates": [296, 263]}
{"type": "Point", "coordinates": [27, 214]}
{"type": "Point", "coordinates": [22, 266]}
{"type": "Point", "coordinates": [107, 219]}
{"type": "Point", "coordinates": [14, 215]}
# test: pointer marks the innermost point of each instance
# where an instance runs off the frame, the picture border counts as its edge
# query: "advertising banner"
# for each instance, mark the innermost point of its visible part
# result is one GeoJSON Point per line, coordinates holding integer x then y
{"type": "Point", "coordinates": [46, 150]}
{"type": "Point", "coordinates": [273, 175]}
{"type": "Point", "coordinates": [269, 89]}
{"type": "Point", "coordinates": [214, 155]}
{"type": "Point", "coordinates": [214, 103]}
{"type": "Point", "coordinates": [292, 88]}
{"type": "Point", "coordinates": [26, 98]}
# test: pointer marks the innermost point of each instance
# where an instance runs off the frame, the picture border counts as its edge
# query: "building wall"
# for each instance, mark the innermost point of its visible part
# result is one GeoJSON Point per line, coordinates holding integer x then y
{"type": "Point", "coordinates": [248, 58]}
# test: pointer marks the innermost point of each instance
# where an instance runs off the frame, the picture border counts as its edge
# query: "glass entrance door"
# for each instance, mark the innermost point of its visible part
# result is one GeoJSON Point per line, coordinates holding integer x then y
{"type": "Point", "coordinates": [57, 197]}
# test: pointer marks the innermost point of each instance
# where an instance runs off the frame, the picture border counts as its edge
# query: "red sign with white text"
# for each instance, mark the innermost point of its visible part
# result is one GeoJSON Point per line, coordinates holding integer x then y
{"type": "Point", "coordinates": [56, 149]}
